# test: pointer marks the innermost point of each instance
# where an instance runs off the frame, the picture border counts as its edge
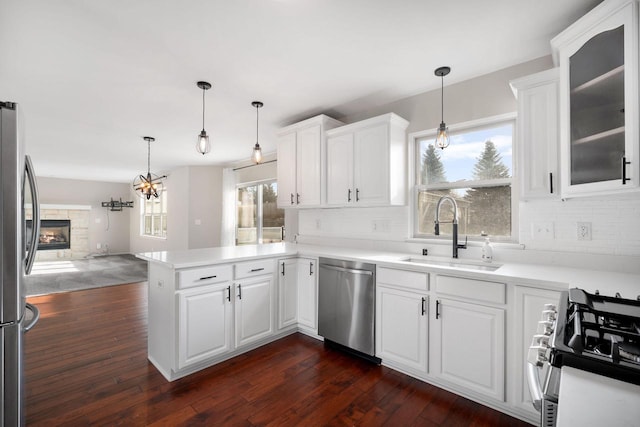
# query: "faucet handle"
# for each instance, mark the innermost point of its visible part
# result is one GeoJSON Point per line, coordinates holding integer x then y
{"type": "Point", "coordinates": [437, 228]}
{"type": "Point", "coordinates": [464, 246]}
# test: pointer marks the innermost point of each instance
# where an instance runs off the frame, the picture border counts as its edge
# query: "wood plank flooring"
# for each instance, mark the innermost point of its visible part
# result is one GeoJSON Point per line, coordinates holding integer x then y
{"type": "Point", "coordinates": [86, 364]}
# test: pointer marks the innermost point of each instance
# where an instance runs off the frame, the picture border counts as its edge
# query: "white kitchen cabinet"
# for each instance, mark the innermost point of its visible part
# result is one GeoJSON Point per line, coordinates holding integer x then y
{"type": "Point", "coordinates": [205, 323]}
{"type": "Point", "coordinates": [254, 309]}
{"type": "Point", "coordinates": [307, 279]}
{"type": "Point", "coordinates": [287, 292]}
{"type": "Point", "coordinates": [468, 338]}
{"type": "Point", "coordinates": [300, 152]}
{"type": "Point", "coordinates": [366, 163]}
{"type": "Point", "coordinates": [527, 310]}
{"type": "Point", "coordinates": [401, 329]}
{"type": "Point", "coordinates": [537, 134]}
{"type": "Point", "coordinates": [598, 60]}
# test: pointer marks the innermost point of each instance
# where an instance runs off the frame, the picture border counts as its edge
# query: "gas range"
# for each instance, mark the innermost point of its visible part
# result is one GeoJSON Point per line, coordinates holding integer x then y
{"type": "Point", "coordinates": [599, 334]}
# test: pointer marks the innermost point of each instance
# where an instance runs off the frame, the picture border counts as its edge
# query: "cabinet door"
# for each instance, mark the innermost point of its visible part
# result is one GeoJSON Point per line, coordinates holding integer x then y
{"type": "Point", "coordinates": [529, 303]}
{"type": "Point", "coordinates": [205, 322]}
{"type": "Point", "coordinates": [599, 101]}
{"type": "Point", "coordinates": [468, 347]}
{"type": "Point", "coordinates": [538, 135]}
{"type": "Point", "coordinates": [286, 170]}
{"type": "Point", "coordinates": [401, 328]}
{"type": "Point", "coordinates": [340, 190]}
{"type": "Point", "coordinates": [371, 166]}
{"type": "Point", "coordinates": [308, 293]}
{"type": "Point", "coordinates": [287, 292]}
{"type": "Point", "coordinates": [254, 309]}
{"type": "Point", "coordinates": [308, 170]}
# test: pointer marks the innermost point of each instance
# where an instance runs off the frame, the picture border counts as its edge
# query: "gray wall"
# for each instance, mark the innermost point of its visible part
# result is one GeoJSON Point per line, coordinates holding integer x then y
{"type": "Point", "coordinates": [105, 227]}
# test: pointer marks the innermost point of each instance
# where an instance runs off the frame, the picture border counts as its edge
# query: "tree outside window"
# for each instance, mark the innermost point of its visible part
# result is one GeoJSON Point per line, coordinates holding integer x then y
{"type": "Point", "coordinates": [258, 219]}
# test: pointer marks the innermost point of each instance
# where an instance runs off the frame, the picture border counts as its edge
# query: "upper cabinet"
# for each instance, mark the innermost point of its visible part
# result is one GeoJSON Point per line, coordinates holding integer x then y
{"type": "Point", "coordinates": [598, 61]}
{"type": "Point", "coordinates": [366, 163]}
{"type": "Point", "coordinates": [300, 162]}
{"type": "Point", "coordinates": [537, 133]}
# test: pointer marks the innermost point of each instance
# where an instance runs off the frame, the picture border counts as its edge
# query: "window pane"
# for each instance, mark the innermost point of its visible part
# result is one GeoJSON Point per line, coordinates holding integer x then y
{"type": "Point", "coordinates": [473, 155]}
{"type": "Point", "coordinates": [147, 224]}
{"type": "Point", "coordinates": [246, 215]}
{"type": "Point", "coordinates": [480, 210]}
{"type": "Point", "coordinates": [272, 216]}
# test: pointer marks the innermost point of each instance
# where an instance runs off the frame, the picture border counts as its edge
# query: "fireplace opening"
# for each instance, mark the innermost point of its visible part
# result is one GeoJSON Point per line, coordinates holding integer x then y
{"type": "Point", "coordinates": [54, 234]}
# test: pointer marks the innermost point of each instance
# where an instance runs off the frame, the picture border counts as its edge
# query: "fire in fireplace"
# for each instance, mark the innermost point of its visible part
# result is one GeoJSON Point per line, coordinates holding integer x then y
{"type": "Point", "coordinates": [54, 234]}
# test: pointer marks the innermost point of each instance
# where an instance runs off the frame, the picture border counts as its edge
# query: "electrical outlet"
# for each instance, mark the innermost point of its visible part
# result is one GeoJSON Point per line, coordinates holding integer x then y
{"type": "Point", "coordinates": [161, 283]}
{"type": "Point", "coordinates": [99, 246]}
{"type": "Point", "coordinates": [584, 231]}
{"type": "Point", "coordinates": [542, 231]}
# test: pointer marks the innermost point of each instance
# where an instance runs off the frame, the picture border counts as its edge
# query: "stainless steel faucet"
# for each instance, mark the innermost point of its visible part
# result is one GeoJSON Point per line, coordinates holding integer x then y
{"type": "Point", "coordinates": [456, 245]}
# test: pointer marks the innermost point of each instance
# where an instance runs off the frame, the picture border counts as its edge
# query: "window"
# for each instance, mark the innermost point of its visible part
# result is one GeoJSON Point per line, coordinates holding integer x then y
{"type": "Point", "coordinates": [476, 170]}
{"type": "Point", "coordinates": [258, 219]}
{"type": "Point", "coordinates": [154, 216]}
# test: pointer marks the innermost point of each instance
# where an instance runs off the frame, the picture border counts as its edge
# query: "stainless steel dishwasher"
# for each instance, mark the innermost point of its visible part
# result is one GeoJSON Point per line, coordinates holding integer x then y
{"type": "Point", "coordinates": [346, 304]}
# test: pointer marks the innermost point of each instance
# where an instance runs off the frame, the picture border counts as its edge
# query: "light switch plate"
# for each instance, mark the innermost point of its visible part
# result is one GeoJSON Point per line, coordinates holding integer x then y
{"type": "Point", "coordinates": [542, 231]}
{"type": "Point", "coordinates": [584, 231]}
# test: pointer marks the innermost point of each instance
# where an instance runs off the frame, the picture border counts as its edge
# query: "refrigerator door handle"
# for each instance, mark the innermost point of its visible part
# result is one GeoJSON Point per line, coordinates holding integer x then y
{"type": "Point", "coordinates": [36, 316]}
{"type": "Point", "coordinates": [35, 234]}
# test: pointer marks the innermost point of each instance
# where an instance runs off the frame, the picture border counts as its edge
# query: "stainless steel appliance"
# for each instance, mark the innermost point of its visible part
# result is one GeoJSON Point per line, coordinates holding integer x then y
{"type": "Point", "coordinates": [346, 304]}
{"type": "Point", "coordinates": [17, 253]}
{"type": "Point", "coordinates": [599, 336]}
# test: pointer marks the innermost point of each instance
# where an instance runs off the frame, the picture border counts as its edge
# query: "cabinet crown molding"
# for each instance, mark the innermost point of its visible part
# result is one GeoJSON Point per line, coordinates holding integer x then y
{"type": "Point", "coordinates": [321, 119]}
{"type": "Point", "coordinates": [538, 79]}
{"type": "Point", "coordinates": [391, 118]}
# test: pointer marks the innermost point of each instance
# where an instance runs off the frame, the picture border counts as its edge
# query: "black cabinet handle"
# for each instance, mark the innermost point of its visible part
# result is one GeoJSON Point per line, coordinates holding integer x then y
{"type": "Point", "coordinates": [437, 309]}
{"type": "Point", "coordinates": [291, 198]}
{"type": "Point", "coordinates": [551, 182]}
{"type": "Point", "coordinates": [424, 308]}
{"type": "Point", "coordinates": [253, 270]}
{"type": "Point", "coordinates": [283, 268]}
{"type": "Point", "coordinates": [357, 195]}
{"type": "Point", "coordinates": [297, 199]}
{"type": "Point", "coordinates": [624, 170]}
{"type": "Point", "coordinates": [310, 269]}
{"type": "Point", "coordinates": [229, 293]}
{"type": "Point", "coordinates": [239, 291]}
{"type": "Point", "coordinates": [208, 277]}
{"type": "Point", "coordinates": [349, 195]}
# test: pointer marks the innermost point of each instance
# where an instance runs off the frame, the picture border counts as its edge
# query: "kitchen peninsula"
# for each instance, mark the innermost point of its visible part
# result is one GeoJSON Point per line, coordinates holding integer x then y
{"type": "Point", "coordinates": [209, 305]}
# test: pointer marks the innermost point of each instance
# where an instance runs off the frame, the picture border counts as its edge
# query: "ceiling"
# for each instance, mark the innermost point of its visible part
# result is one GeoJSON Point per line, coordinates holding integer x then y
{"type": "Point", "coordinates": [93, 77]}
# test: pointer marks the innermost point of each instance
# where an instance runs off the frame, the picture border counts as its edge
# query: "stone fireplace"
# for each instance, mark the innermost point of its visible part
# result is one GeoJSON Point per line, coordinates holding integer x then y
{"type": "Point", "coordinates": [59, 223]}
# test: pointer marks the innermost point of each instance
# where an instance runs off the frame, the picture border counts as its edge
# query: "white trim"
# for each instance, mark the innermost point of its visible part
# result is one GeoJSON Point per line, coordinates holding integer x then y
{"type": "Point", "coordinates": [486, 121]}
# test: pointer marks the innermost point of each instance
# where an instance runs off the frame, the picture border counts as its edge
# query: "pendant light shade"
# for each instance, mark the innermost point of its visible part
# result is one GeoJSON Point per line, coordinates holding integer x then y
{"type": "Point", "coordinates": [257, 151]}
{"type": "Point", "coordinates": [150, 184]}
{"type": "Point", "coordinates": [442, 138]}
{"type": "Point", "coordinates": [203, 146]}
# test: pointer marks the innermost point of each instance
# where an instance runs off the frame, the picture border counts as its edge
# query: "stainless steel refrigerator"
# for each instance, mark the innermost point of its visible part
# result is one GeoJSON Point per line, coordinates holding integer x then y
{"type": "Point", "coordinates": [18, 200]}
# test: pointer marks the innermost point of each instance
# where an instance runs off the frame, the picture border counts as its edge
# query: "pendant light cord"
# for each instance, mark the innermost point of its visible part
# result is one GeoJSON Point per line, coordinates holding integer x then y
{"type": "Point", "coordinates": [203, 108]}
{"type": "Point", "coordinates": [442, 97]}
{"type": "Point", "coordinates": [257, 108]}
{"type": "Point", "coordinates": [148, 156]}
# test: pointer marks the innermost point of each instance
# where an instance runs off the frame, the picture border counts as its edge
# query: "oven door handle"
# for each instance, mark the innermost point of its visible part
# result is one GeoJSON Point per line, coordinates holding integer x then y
{"type": "Point", "coordinates": [534, 386]}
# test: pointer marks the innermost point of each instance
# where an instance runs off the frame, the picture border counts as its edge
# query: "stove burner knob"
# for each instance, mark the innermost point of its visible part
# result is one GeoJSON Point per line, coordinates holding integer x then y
{"type": "Point", "coordinates": [550, 307]}
{"type": "Point", "coordinates": [541, 340]}
{"type": "Point", "coordinates": [549, 315]}
{"type": "Point", "coordinates": [545, 327]}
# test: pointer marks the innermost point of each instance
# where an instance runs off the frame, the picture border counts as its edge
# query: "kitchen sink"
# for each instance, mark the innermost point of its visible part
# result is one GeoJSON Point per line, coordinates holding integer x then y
{"type": "Point", "coordinates": [455, 264]}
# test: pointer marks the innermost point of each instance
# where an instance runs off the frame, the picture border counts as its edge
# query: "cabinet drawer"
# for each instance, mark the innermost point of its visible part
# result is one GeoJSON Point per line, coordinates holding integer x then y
{"type": "Point", "coordinates": [255, 268]}
{"type": "Point", "coordinates": [403, 278]}
{"type": "Point", "coordinates": [480, 290]}
{"type": "Point", "coordinates": [204, 276]}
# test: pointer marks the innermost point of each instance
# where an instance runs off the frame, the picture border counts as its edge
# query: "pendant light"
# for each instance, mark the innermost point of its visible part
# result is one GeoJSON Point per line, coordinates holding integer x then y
{"type": "Point", "coordinates": [203, 146]}
{"type": "Point", "coordinates": [442, 139]}
{"type": "Point", "coordinates": [257, 151]}
{"type": "Point", "coordinates": [151, 184]}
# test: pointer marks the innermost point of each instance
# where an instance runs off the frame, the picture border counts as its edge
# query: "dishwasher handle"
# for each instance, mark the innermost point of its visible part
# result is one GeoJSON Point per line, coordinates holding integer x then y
{"type": "Point", "coordinates": [347, 270]}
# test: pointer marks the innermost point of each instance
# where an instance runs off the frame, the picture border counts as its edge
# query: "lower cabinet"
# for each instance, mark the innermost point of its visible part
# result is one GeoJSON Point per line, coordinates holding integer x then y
{"type": "Point", "coordinates": [205, 323]}
{"type": "Point", "coordinates": [287, 292]}
{"type": "Point", "coordinates": [307, 288]}
{"type": "Point", "coordinates": [254, 309]}
{"type": "Point", "coordinates": [401, 328]}
{"type": "Point", "coordinates": [468, 347]}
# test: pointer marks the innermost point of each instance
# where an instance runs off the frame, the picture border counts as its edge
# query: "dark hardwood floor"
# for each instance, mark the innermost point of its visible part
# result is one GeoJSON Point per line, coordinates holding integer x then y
{"type": "Point", "coordinates": [86, 364]}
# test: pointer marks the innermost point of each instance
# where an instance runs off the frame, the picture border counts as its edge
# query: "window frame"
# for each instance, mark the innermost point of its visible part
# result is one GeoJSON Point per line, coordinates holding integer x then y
{"type": "Point", "coordinates": [414, 176]}
{"type": "Point", "coordinates": [259, 211]}
{"type": "Point", "coordinates": [163, 216]}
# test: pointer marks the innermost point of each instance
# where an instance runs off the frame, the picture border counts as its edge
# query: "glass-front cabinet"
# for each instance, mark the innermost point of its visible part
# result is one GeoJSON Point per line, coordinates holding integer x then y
{"type": "Point", "coordinates": [598, 60]}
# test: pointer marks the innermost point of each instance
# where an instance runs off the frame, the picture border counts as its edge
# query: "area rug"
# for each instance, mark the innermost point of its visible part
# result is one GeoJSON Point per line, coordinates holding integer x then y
{"type": "Point", "coordinates": [49, 277]}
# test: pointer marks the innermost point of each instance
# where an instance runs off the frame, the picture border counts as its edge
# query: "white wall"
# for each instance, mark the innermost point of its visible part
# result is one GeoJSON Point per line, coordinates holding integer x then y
{"type": "Point", "coordinates": [105, 227]}
{"type": "Point", "coordinates": [616, 229]}
{"type": "Point", "coordinates": [193, 193]}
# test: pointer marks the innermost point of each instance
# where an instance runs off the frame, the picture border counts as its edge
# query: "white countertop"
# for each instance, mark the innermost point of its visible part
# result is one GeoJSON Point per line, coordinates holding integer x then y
{"type": "Point", "coordinates": [607, 282]}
